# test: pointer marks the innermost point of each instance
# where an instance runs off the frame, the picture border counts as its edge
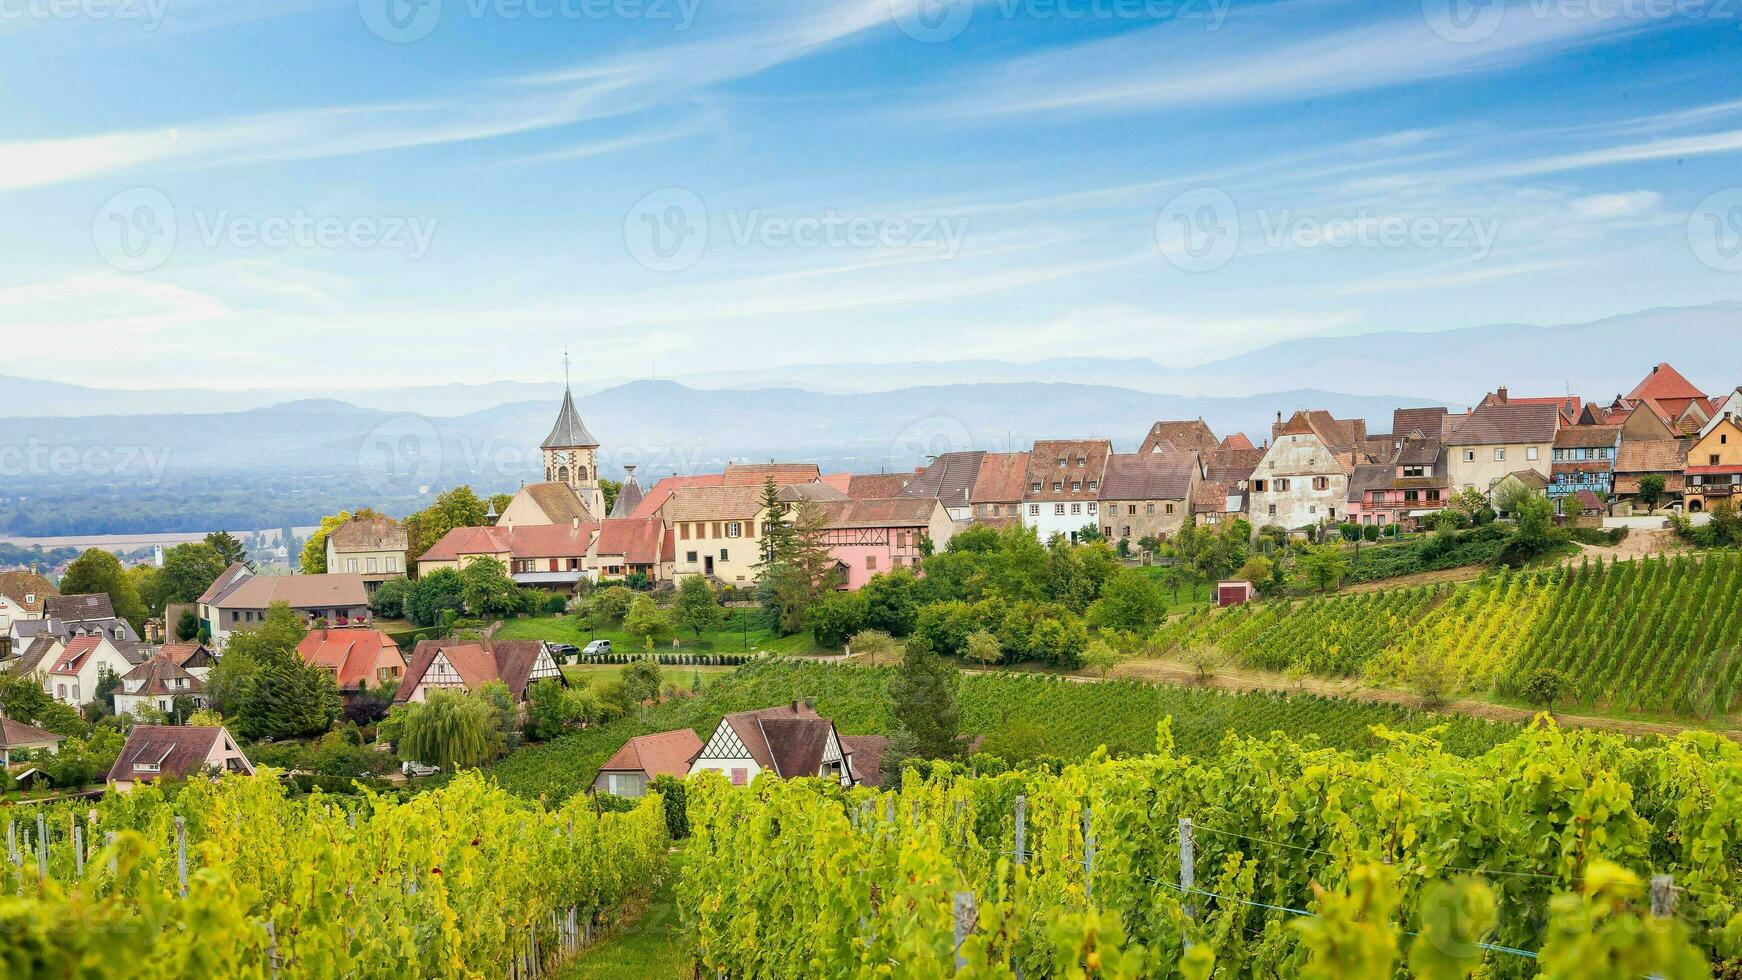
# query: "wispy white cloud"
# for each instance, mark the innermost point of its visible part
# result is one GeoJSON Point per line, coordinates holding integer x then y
{"type": "Point", "coordinates": [1283, 57]}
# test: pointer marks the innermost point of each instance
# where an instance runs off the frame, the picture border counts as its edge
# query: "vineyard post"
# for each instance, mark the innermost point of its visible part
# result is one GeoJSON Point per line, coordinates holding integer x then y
{"type": "Point", "coordinates": [109, 842]}
{"type": "Point", "coordinates": [1186, 875]}
{"type": "Point", "coordinates": [78, 851]}
{"type": "Point", "coordinates": [181, 854]}
{"type": "Point", "coordinates": [272, 948]}
{"type": "Point", "coordinates": [1662, 896]}
{"type": "Point", "coordinates": [1088, 852]}
{"type": "Point", "coordinates": [964, 924]}
{"type": "Point", "coordinates": [12, 840]}
{"type": "Point", "coordinates": [1021, 830]}
{"type": "Point", "coordinates": [42, 844]}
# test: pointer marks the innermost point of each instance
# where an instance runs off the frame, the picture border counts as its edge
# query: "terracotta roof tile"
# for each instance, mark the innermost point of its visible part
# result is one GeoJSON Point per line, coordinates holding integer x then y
{"type": "Point", "coordinates": [888, 512]}
{"type": "Point", "coordinates": [637, 540]}
{"type": "Point", "coordinates": [661, 754]}
{"type": "Point", "coordinates": [1186, 436]}
{"type": "Point", "coordinates": [351, 654]}
{"type": "Point", "coordinates": [1513, 421]}
{"type": "Point", "coordinates": [1085, 462]}
{"type": "Point", "coordinates": [368, 534]}
{"type": "Point", "coordinates": [1156, 475]}
{"type": "Point", "coordinates": [78, 607]}
{"type": "Point", "coordinates": [17, 585]}
{"type": "Point", "coordinates": [1587, 436]}
{"type": "Point", "coordinates": [872, 486]}
{"type": "Point", "coordinates": [177, 750]}
{"type": "Point", "coordinates": [755, 474]}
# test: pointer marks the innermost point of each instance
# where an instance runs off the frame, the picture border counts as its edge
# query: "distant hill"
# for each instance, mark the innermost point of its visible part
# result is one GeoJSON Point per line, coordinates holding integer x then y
{"type": "Point", "coordinates": [1599, 360]}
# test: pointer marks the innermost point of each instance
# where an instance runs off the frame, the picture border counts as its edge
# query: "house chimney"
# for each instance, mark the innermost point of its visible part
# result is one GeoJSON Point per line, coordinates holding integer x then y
{"type": "Point", "coordinates": [810, 703]}
{"type": "Point", "coordinates": [1500, 394]}
{"type": "Point", "coordinates": [795, 706]}
{"type": "Point", "coordinates": [576, 523]}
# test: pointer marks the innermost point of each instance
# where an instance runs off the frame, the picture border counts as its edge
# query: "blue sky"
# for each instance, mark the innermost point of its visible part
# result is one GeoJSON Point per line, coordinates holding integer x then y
{"type": "Point", "coordinates": [297, 192]}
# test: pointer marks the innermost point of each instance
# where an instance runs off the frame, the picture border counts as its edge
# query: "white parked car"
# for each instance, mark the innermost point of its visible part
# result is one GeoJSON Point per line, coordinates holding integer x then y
{"type": "Point", "coordinates": [597, 646]}
{"type": "Point", "coordinates": [410, 769]}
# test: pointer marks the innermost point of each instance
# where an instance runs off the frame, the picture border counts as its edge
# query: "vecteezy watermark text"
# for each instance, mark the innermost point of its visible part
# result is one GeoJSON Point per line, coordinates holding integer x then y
{"type": "Point", "coordinates": [1474, 21]}
{"type": "Point", "coordinates": [147, 13]}
{"type": "Point", "coordinates": [36, 459]}
{"type": "Point", "coordinates": [669, 229]}
{"type": "Point", "coordinates": [937, 21]}
{"type": "Point", "coordinates": [405, 21]}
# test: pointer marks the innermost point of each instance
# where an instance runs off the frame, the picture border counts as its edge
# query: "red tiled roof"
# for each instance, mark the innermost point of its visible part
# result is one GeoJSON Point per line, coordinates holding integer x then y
{"type": "Point", "coordinates": [1428, 421]}
{"type": "Point", "coordinates": [1587, 436]}
{"type": "Point", "coordinates": [1001, 479]}
{"type": "Point", "coordinates": [477, 663]}
{"type": "Point", "coordinates": [1651, 456]}
{"type": "Point", "coordinates": [351, 654]}
{"type": "Point", "coordinates": [16, 585]}
{"type": "Point", "coordinates": [73, 657]}
{"type": "Point", "coordinates": [1663, 383]}
{"type": "Point", "coordinates": [1157, 475]}
{"type": "Point", "coordinates": [873, 486]}
{"type": "Point", "coordinates": [520, 541]}
{"type": "Point", "coordinates": [1044, 468]}
{"type": "Point", "coordinates": [17, 733]}
{"type": "Point", "coordinates": [662, 754]}
{"type": "Point", "coordinates": [636, 539]}
{"type": "Point", "coordinates": [1513, 421]}
{"type": "Point", "coordinates": [176, 750]}
{"type": "Point", "coordinates": [1187, 436]}
{"type": "Point", "coordinates": [888, 512]}
{"type": "Point", "coordinates": [1237, 440]}
{"type": "Point", "coordinates": [154, 675]}
{"type": "Point", "coordinates": [656, 497]}
{"type": "Point", "coordinates": [755, 474]}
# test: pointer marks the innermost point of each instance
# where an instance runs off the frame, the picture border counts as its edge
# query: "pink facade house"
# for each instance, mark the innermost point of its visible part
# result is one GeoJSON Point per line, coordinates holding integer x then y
{"type": "Point", "coordinates": [867, 537]}
{"type": "Point", "coordinates": [1412, 486]}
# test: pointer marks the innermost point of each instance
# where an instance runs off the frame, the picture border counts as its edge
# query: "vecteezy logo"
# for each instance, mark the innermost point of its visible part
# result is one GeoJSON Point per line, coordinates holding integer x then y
{"type": "Point", "coordinates": [400, 21]}
{"type": "Point", "coordinates": [1198, 230]}
{"type": "Point", "coordinates": [1464, 21]}
{"type": "Point", "coordinates": [400, 456]}
{"type": "Point", "coordinates": [667, 230]}
{"type": "Point", "coordinates": [1715, 230]}
{"type": "Point", "coordinates": [134, 231]}
{"type": "Point", "coordinates": [932, 21]}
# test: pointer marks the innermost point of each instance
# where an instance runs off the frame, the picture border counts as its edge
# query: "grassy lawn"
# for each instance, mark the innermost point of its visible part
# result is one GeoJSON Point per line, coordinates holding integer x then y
{"type": "Point", "coordinates": [652, 946]}
{"type": "Point", "coordinates": [563, 629]}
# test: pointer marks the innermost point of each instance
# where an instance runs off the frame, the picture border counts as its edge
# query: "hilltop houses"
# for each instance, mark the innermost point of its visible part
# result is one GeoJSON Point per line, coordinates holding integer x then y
{"type": "Point", "coordinates": [240, 598]}
{"type": "Point", "coordinates": [1303, 477]}
{"type": "Point", "coordinates": [1501, 436]}
{"type": "Point", "coordinates": [1063, 495]}
{"type": "Point", "coordinates": [373, 547]}
{"type": "Point", "coordinates": [158, 753]}
{"type": "Point", "coordinates": [790, 741]}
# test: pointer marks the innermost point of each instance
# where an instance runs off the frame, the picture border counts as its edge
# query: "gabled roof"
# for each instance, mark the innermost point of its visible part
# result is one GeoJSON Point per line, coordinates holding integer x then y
{"type": "Point", "coordinates": [1665, 383]}
{"type": "Point", "coordinates": [1002, 479]}
{"type": "Point", "coordinates": [478, 662]}
{"type": "Point", "coordinates": [36, 655]}
{"type": "Point", "coordinates": [331, 590]}
{"type": "Point", "coordinates": [368, 534]}
{"type": "Point", "coordinates": [874, 486]}
{"type": "Point", "coordinates": [16, 733]}
{"type": "Point", "coordinates": [1338, 435]}
{"type": "Point", "coordinates": [558, 502]}
{"type": "Point", "coordinates": [1237, 440]}
{"type": "Point", "coordinates": [350, 653]}
{"type": "Point", "coordinates": [1044, 468]}
{"type": "Point", "coordinates": [1419, 452]}
{"type": "Point", "coordinates": [797, 744]}
{"type": "Point", "coordinates": [187, 655]}
{"type": "Point", "coordinates": [1533, 479]}
{"type": "Point", "coordinates": [1369, 476]}
{"type": "Point", "coordinates": [521, 541]}
{"type": "Point", "coordinates": [628, 496]}
{"type": "Point", "coordinates": [741, 502]}
{"type": "Point", "coordinates": [78, 607]}
{"type": "Point", "coordinates": [663, 488]}
{"type": "Point", "coordinates": [1515, 421]}
{"type": "Point", "coordinates": [755, 474]}
{"type": "Point", "coordinates": [1232, 465]}
{"type": "Point", "coordinates": [569, 432]}
{"type": "Point", "coordinates": [1162, 474]}
{"type": "Point", "coordinates": [17, 585]}
{"type": "Point", "coordinates": [1185, 436]}
{"type": "Point", "coordinates": [636, 539]}
{"type": "Point", "coordinates": [74, 655]}
{"type": "Point", "coordinates": [226, 583]}
{"type": "Point", "coordinates": [749, 727]}
{"type": "Point", "coordinates": [887, 512]}
{"type": "Point", "coordinates": [1216, 497]}
{"type": "Point", "coordinates": [661, 754]}
{"type": "Point", "coordinates": [865, 756]}
{"type": "Point", "coordinates": [815, 490]}
{"type": "Point", "coordinates": [154, 677]}
{"type": "Point", "coordinates": [176, 750]}
{"type": "Point", "coordinates": [1427, 421]}
{"type": "Point", "coordinates": [1587, 436]}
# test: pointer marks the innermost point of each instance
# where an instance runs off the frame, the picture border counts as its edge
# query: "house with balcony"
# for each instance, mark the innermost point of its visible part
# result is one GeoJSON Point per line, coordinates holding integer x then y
{"type": "Point", "coordinates": [240, 598]}
{"type": "Point", "coordinates": [1714, 469]}
{"type": "Point", "coordinates": [1412, 486]}
{"type": "Point", "coordinates": [1584, 460]}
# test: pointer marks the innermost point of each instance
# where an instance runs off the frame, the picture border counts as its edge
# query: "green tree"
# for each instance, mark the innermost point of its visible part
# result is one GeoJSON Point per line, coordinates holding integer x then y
{"type": "Point", "coordinates": [922, 703]}
{"type": "Point", "coordinates": [647, 622]}
{"type": "Point", "coordinates": [983, 648]}
{"type": "Point", "coordinates": [1100, 657]}
{"type": "Point", "coordinates": [547, 709]}
{"type": "Point", "coordinates": [188, 571]}
{"type": "Point", "coordinates": [262, 684]}
{"type": "Point", "coordinates": [801, 571]}
{"type": "Point", "coordinates": [777, 535]}
{"type": "Point", "coordinates": [188, 626]}
{"type": "Point", "coordinates": [836, 616]}
{"type": "Point", "coordinates": [1651, 488]}
{"type": "Point", "coordinates": [450, 730]}
{"type": "Point", "coordinates": [1132, 600]}
{"type": "Point", "coordinates": [230, 551]}
{"type": "Point", "coordinates": [434, 594]}
{"type": "Point", "coordinates": [108, 682]}
{"type": "Point", "coordinates": [1533, 530]}
{"type": "Point", "coordinates": [501, 701]}
{"type": "Point", "coordinates": [1324, 565]}
{"type": "Point", "coordinates": [696, 607]}
{"type": "Point", "coordinates": [610, 605]}
{"type": "Point", "coordinates": [98, 571]}
{"type": "Point", "coordinates": [642, 680]}
{"type": "Point", "coordinates": [388, 599]}
{"type": "Point", "coordinates": [876, 646]}
{"type": "Point", "coordinates": [486, 589]}
{"type": "Point", "coordinates": [890, 602]}
{"type": "Point", "coordinates": [458, 507]}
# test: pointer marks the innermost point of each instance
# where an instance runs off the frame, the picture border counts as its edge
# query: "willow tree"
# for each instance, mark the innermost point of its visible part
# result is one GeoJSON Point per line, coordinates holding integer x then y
{"type": "Point", "coordinates": [450, 730]}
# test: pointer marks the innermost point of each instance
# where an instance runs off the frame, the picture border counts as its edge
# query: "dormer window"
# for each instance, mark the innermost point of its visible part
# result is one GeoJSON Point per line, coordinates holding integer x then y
{"type": "Point", "coordinates": [30, 598]}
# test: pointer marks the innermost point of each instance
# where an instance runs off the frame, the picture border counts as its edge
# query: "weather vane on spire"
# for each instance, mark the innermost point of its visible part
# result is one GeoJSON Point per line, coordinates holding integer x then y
{"type": "Point", "coordinates": [565, 367]}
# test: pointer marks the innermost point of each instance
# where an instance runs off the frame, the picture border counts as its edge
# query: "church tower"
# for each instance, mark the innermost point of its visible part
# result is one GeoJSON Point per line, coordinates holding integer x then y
{"type": "Point", "coordinates": [571, 454]}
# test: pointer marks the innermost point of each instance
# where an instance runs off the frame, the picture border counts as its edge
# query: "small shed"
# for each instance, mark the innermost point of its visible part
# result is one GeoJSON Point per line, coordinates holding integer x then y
{"type": "Point", "coordinates": [1233, 592]}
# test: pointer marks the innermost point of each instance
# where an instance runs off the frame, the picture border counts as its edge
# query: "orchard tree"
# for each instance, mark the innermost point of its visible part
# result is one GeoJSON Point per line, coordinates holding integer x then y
{"type": "Point", "coordinates": [696, 608]}
{"type": "Point", "coordinates": [98, 571]}
{"type": "Point", "coordinates": [647, 622]}
{"type": "Point", "coordinates": [1651, 488]}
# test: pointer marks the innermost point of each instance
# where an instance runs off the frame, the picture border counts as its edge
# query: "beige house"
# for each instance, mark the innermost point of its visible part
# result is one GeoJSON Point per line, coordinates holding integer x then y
{"type": "Point", "coordinates": [716, 531]}
{"type": "Point", "coordinates": [157, 683]}
{"type": "Point", "coordinates": [240, 598]}
{"type": "Point", "coordinates": [1147, 494]}
{"type": "Point", "coordinates": [22, 596]}
{"type": "Point", "coordinates": [545, 504]}
{"type": "Point", "coordinates": [373, 547]}
{"type": "Point", "coordinates": [73, 675]}
{"type": "Point", "coordinates": [155, 753]}
{"type": "Point", "coordinates": [1500, 437]}
{"type": "Point", "coordinates": [16, 736]}
{"type": "Point", "coordinates": [1303, 477]}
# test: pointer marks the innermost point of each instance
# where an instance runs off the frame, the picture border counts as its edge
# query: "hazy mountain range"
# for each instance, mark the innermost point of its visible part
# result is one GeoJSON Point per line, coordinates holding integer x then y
{"type": "Point", "coordinates": [1597, 360]}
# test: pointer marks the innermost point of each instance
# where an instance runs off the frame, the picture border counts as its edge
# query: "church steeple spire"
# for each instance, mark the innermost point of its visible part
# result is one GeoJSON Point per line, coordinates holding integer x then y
{"type": "Point", "coordinates": [571, 452]}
